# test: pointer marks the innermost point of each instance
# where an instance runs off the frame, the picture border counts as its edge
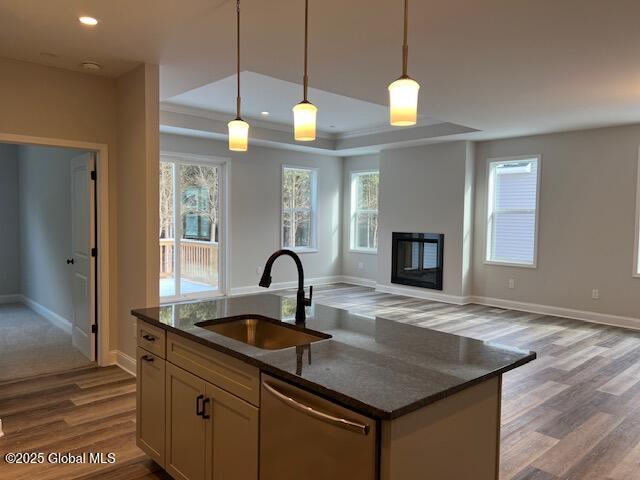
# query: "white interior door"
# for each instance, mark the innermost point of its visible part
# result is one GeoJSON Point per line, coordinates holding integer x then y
{"type": "Point", "coordinates": [83, 263]}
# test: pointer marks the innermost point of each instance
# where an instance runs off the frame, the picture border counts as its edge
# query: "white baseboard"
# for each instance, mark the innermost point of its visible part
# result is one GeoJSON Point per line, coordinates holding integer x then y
{"type": "Point", "coordinates": [574, 314]}
{"type": "Point", "coordinates": [125, 362]}
{"type": "Point", "coordinates": [363, 282]}
{"type": "Point", "coordinates": [249, 290]}
{"type": "Point", "coordinates": [53, 317]}
{"type": "Point", "coordinates": [424, 294]}
{"type": "Point", "coordinates": [11, 298]}
{"type": "Point", "coordinates": [584, 315]}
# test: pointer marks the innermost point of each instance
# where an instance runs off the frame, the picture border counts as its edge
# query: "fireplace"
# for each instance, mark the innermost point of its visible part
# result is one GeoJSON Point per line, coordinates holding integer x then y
{"type": "Point", "coordinates": [417, 259]}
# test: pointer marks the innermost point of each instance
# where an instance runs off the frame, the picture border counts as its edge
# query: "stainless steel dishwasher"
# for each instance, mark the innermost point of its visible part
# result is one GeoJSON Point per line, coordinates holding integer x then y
{"type": "Point", "coordinates": [303, 436]}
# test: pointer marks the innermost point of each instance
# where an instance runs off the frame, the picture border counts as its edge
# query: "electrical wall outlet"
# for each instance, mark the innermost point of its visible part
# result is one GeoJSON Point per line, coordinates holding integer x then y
{"type": "Point", "coordinates": [512, 283]}
{"type": "Point", "coordinates": [360, 265]}
{"type": "Point", "coordinates": [259, 270]}
{"type": "Point", "coordinates": [595, 294]}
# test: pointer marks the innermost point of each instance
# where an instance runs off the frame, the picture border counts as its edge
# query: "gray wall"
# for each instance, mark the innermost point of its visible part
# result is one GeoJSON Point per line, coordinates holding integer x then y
{"type": "Point", "coordinates": [356, 264]}
{"type": "Point", "coordinates": [9, 240]}
{"type": "Point", "coordinates": [45, 226]}
{"type": "Point", "coordinates": [255, 208]}
{"type": "Point", "coordinates": [586, 222]}
{"type": "Point", "coordinates": [426, 189]}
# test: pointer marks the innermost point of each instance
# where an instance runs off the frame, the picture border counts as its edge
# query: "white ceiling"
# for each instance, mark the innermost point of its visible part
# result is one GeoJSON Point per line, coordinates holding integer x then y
{"type": "Point", "coordinates": [260, 93]}
{"type": "Point", "coordinates": [501, 66]}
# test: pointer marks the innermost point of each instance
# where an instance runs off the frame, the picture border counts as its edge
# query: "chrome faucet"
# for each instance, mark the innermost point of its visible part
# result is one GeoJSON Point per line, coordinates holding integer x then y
{"type": "Point", "coordinates": [301, 301]}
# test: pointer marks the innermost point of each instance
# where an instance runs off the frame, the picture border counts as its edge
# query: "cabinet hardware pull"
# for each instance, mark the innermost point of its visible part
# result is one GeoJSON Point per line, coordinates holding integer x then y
{"type": "Point", "coordinates": [147, 358]}
{"type": "Point", "coordinates": [199, 411]}
{"type": "Point", "coordinates": [325, 417]}
{"type": "Point", "coordinates": [149, 338]}
{"type": "Point", "coordinates": [205, 402]}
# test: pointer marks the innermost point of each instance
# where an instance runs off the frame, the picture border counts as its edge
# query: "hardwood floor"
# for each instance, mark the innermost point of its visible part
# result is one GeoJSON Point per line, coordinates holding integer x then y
{"type": "Point", "coordinates": [574, 413]}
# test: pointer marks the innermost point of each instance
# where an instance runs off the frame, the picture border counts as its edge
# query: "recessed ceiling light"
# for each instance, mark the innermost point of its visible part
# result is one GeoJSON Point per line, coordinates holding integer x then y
{"type": "Point", "coordinates": [88, 21]}
{"type": "Point", "coordinates": [264, 113]}
{"type": "Point", "coordinates": [92, 66]}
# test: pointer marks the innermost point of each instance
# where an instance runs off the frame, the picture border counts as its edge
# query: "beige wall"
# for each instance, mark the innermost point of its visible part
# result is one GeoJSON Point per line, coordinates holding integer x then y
{"type": "Point", "coordinates": [425, 189]}
{"type": "Point", "coordinates": [255, 203]}
{"type": "Point", "coordinates": [356, 264]}
{"type": "Point", "coordinates": [137, 197]}
{"type": "Point", "coordinates": [586, 224]}
{"type": "Point", "coordinates": [51, 103]}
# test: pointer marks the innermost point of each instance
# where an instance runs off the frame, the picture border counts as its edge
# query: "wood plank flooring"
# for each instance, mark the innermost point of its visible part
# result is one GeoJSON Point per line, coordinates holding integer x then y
{"type": "Point", "coordinates": [573, 414]}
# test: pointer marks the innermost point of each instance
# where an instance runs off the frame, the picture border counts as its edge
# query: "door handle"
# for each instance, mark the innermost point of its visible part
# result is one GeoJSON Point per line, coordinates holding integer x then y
{"type": "Point", "coordinates": [70, 261]}
{"type": "Point", "coordinates": [199, 410]}
{"type": "Point", "coordinates": [325, 417]}
{"type": "Point", "coordinates": [149, 338]}
{"type": "Point", "coordinates": [147, 358]}
{"type": "Point", "coordinates": [205, 402]}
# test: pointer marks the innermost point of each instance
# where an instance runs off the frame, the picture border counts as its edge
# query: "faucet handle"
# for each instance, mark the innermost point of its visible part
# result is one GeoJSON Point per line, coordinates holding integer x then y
{"type": "Point", "coordinates": [307, 301]}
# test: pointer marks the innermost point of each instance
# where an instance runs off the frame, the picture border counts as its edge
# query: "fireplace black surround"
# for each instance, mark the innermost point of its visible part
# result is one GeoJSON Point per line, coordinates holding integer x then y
{"type": "Point", "coordinates": [417, 259]}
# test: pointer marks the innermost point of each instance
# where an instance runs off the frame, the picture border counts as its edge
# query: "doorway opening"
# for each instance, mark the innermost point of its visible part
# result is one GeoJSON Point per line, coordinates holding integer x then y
{"type": "Point", "coordinates": [48, 255]}
{"type": "Point", "coordinates": [192, 227]}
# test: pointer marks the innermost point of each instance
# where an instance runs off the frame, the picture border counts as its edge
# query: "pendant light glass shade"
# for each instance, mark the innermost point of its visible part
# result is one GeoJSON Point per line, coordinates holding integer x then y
{"type": "Point", "coordinates": [403, 93]}
{"type": "Point", "coordinates": [238, 135]}
{"type": "Point", "coordinates": [238, 128]}
{"type": "Point", "coordinates": [304, 120]}
{"type": "Point", "coordinates": [403, 102]}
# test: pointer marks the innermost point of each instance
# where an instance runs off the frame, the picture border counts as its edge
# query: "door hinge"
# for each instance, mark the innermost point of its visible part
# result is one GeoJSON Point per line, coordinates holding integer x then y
{"type": "Point", "coordinates": [94, 175]}
{"type": "Point", "coordinates": [94, 252]}
{"type": "Point", "coordinates": [94, 328]}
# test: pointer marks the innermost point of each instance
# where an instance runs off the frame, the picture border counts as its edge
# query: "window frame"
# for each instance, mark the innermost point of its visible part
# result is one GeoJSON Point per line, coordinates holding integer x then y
{"type": "Point", "coordinates": [313, 248]}
{"type": "Point", "coordinates": [636, 248]}
{"type": "Point", "coordinates": [490, 201]}
{"type": "Point", "coordinates": [224, 164]}
{"type": "Point", "coordinates": [353, 207]}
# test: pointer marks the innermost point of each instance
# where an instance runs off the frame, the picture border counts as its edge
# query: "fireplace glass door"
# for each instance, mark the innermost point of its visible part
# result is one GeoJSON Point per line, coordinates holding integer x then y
{"type": "Point", "coordinates": [417, 259]}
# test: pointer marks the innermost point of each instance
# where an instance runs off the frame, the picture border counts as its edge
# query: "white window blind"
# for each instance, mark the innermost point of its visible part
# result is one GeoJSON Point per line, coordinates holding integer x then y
{"type": "Point", "coordinates": [512, 211]}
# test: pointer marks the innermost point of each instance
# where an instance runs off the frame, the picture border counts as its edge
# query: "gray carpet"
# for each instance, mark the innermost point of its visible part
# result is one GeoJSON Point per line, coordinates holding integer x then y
{"type": "Point", "coordinates": [30, 345]}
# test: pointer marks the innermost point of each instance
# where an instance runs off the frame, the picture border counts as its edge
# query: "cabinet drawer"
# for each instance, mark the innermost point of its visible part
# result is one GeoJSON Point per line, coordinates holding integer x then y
{"type": "Point", "coordinates": [152, 338]}
{"type": "Point", "coordinates": [226, 372]}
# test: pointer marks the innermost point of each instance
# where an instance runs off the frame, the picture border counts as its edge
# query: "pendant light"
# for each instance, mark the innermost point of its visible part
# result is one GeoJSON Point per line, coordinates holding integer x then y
{"type": "Point", "coordinates": [304, 113]}
{"type": "Point", "coordinates": [238, 128]}
{"type": "Point", "coordinates": [403, 93]}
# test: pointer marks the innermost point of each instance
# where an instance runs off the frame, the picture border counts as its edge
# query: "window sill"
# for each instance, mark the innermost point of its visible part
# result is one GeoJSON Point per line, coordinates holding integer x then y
{"type": "Point", "coordinates": [366, 252]}
{"type": "Point", "coordinates": [510, 264]}
{"type": "Point", "coordinates": [302, 250]}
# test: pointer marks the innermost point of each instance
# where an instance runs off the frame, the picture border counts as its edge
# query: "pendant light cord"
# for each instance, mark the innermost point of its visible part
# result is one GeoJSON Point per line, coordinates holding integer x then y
{"type": "Point", "coordinates": [305, 79]}
{"type": "Point", "coordinates": [238, 58]}
{"type": "Point", "coordinates": [405, 45]}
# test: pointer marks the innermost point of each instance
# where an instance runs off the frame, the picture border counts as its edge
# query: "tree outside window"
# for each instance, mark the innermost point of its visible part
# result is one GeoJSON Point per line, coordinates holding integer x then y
{"type": "Point", "coordinates": [364, 211]}
{"type": "Point", "coordinates": [298, 208]}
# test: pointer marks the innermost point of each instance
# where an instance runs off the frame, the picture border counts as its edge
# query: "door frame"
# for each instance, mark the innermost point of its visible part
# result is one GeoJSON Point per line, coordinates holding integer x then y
{"type": "Point", "coordinates": [224, 163]}
{"type": "Point", "coordinates": [105, 355]}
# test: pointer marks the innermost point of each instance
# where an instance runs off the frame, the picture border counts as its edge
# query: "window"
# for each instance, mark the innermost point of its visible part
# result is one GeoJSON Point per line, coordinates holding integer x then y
{"type": "Point", "coordinates": [512, 219]}
{"type": "Point", "coordinates": [299, 208]}
{"type": "Point", "coordinates": [364, 211]}
{"type": "Point", "coordinates": [190, 219]}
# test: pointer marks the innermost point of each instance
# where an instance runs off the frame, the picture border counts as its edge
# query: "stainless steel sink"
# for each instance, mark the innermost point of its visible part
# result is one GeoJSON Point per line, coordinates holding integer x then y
{"type": "Point", "coordinates": [263, 332]}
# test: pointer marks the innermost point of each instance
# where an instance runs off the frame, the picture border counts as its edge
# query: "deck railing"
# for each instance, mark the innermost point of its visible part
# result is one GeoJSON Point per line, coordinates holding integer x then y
{"type": "Point", "coordinates": [199, 260]}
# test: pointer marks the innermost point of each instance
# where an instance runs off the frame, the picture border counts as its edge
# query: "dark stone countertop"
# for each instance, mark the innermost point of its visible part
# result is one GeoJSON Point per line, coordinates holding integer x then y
{"type": "Point", "coordinates": [378, 367]}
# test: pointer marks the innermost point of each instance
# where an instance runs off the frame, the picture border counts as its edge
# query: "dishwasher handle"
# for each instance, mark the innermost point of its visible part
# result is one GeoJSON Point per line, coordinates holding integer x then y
{"type": "Point", "coordinates": [325, 417]}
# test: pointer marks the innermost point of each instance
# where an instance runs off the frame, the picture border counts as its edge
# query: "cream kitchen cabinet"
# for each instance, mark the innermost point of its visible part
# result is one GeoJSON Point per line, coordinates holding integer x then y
{"type": "Point", "coordinates": [193, 428]}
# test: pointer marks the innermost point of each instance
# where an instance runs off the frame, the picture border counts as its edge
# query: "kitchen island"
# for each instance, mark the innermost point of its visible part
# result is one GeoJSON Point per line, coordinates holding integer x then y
{"type": "Point", "coordinates": [354, 398]}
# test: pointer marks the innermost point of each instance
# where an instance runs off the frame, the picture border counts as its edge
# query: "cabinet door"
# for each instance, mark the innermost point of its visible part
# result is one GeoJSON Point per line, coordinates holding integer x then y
{"type": "Point", "coordinates": [232, 437]}
{"type": "Point", "coordinates": [186, 429]}
{"type": "Point", "coordinates": [151, 401]}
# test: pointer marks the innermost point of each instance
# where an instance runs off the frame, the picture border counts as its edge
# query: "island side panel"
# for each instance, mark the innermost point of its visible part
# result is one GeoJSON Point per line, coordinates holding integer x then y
{"type": "Point", "coordinates": [454, 438]}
